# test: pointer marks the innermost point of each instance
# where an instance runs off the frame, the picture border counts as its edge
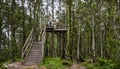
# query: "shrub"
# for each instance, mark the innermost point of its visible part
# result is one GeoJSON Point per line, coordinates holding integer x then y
{"type": "Point", "coordinates": [67, 63]}
{"type": "Point", "coordinates": [102, 64]}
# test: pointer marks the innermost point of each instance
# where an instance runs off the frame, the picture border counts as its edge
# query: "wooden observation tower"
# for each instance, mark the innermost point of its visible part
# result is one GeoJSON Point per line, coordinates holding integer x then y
{"type": "Point", "coordinates": [61, 32]}
{"type": "Point", "coordinates": [33, 51]}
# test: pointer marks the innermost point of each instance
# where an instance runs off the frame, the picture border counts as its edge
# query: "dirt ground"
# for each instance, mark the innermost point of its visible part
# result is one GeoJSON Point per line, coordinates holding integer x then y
{"type": "Point", "coordinates": [18, 65]}
{"type": "Point", "coordinates": [76, 66]}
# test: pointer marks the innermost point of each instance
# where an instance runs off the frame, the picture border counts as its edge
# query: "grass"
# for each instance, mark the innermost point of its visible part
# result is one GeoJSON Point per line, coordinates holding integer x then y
{"type": "Point", "coordinates": [55, 63]}
{"type": "Point", "coordinates": [102, 64]}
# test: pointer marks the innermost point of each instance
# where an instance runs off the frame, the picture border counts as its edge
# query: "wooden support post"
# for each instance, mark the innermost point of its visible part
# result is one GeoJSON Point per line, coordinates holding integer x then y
{"type": "Point", "coordinates": [61, 44]}
{"type": "Point", "coordinates": [64, 45]}
{"type": "Point", "coordinates": [58, 44]}
{"type": "Point", "coordinates": [52, 49]}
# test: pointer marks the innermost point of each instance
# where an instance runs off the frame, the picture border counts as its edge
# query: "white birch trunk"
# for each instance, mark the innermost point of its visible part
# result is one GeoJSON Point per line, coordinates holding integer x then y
{"type": "Point", "coordinates": [93, 39]}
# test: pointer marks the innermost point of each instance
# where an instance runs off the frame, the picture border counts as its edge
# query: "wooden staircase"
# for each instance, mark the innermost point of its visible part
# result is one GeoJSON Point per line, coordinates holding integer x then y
{"type": "Point", "coordinates": [35, 54]}
{"type": "Point", "coordinates": [32, 51]}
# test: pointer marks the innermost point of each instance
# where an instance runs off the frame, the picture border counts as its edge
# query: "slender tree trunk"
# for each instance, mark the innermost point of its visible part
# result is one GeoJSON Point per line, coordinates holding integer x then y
{"type": "Point", "coordinates": [13, 43]}
{"type": "Point", "coordinates": [8, 32]}
{"type": "Point", "coordinates": [93, 40]}
{"type": "Point", "coordinates": [0, 26]}
{"type": "Point", "coordinates": [78, 50]}
{"type": "Point", "coordinates": [23, 22]}
{"type": "Point", "coordinates": [101, 44]}
{"type": "Point", "coordinates": [70, 36]}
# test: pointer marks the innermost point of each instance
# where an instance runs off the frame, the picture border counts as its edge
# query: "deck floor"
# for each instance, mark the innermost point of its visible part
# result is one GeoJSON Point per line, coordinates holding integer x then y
{"type": "Point", "coordinates": [52, 29]}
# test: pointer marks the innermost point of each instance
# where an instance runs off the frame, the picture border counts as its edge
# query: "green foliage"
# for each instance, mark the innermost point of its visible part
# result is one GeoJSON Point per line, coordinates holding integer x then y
{"type": "Point", "coordinates": [29, 68]}
{"type": "Point", "coordinates": [1, 64]}
{"type": "Point", "coordinates": [2, 67]}
{"type": "Point", "coordinates": [4, 55]}
{"type": "Point", "coordinates": [55, 63]}
{"type": "Point", "coordinates": [18, 60]}
{"type": "Point", "coordinates": [102, 64]}
{"type": "Point", "coordinates": [67, 63]}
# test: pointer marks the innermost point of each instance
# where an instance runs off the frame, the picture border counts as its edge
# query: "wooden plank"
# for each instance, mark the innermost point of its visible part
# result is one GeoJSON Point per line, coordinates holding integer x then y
{"type": "Point", "coordinates": [60, 30]}
{"type": "Point", "coordinates": [27, 39]}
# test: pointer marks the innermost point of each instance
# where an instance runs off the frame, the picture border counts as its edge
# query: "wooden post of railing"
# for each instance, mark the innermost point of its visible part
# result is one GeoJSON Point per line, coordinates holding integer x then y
{"type": "Point", "coordinates": [43, 40]}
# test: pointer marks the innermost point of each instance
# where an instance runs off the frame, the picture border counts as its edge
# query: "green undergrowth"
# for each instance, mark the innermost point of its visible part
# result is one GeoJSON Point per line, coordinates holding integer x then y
{"type": "Point", "coordinates": [102, 64]}
{"type": "Point", "coordinates": [55, 63]}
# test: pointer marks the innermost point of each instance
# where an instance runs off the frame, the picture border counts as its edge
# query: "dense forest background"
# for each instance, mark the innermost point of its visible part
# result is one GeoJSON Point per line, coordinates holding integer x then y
{"type": "Point", "coordinates": [94, 27]}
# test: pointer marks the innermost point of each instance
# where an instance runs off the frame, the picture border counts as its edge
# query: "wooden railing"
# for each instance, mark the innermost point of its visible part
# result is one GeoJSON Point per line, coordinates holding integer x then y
{"type": "Point", "coordinates": [58, 26]}
{"type": "Point", "coordinates": [43, 40]}
{"type": "Point", "coordinates": [30, 39]}
{"type": "Point", "coordinates": [42, 34]}
{"type": "Point", "coordinates": [27, 46]}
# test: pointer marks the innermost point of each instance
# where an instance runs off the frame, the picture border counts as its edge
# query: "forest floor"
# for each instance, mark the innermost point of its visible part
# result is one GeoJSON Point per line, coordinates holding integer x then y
{"type": "Point", "coordinates": [77, 66]}
{"type": "Point", "coordinates": [19, 66]}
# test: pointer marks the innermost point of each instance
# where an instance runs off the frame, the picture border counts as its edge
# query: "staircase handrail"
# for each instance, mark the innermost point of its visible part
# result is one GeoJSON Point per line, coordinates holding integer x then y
{"type": "Point", "coordinates": [42, 32]}
{"type": "Point", "coordinates": [27, 45]}
{"type": "Point", "coordinates": [43, 39]}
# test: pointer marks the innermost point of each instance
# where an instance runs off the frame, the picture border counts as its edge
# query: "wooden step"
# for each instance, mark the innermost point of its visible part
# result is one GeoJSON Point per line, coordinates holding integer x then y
{"type": "Point", "coordinates": [35, 54]}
